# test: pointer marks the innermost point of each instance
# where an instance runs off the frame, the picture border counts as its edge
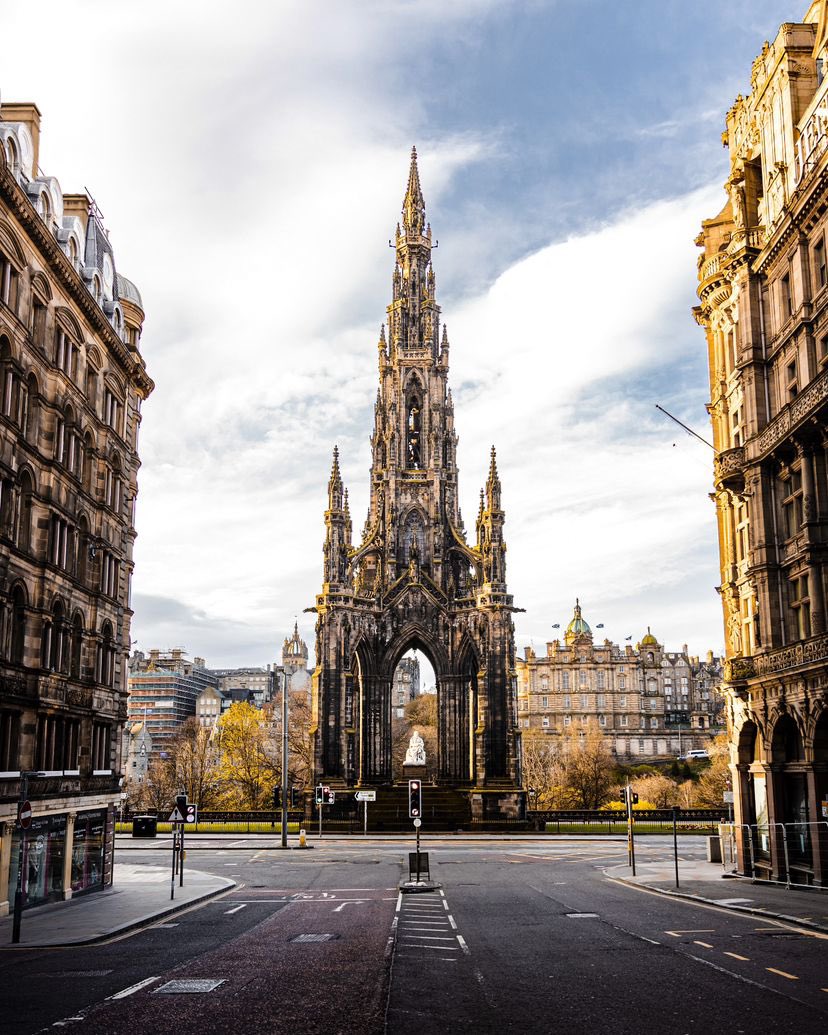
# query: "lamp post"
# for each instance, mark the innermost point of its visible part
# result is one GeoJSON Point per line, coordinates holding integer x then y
{"type": "Point", "coordinates": [285, 682]}
{"type": "Point", "coordinates": [18, 893]}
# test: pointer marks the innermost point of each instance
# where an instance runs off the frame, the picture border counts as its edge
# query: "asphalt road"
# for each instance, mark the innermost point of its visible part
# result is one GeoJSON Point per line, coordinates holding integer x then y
{"type": "Point", "coordinates": [525, 936]}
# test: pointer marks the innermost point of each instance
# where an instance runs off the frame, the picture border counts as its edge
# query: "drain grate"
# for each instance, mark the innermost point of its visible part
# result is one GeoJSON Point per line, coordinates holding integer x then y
{"type": "Point", "coordinates": [189, 985]}
{"type": "Point", "coordinates": [314, 937]}
{"type": "Point", "coordinates": [582, 916]}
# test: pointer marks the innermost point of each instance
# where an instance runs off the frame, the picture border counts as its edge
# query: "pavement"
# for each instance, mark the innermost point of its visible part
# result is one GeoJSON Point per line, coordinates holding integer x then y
{"type": "Point", "coordinates": [709, 883]}
{"type": "Point", "coordinates": [139, 895]}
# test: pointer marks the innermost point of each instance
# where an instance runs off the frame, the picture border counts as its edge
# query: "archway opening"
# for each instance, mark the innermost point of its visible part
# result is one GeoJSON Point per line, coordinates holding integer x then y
{"type": "Point", "coordinates": [413, 711]}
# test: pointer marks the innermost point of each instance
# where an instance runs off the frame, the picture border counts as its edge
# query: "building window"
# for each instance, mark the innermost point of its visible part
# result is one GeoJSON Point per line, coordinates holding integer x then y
{"type": "Point", "coordinates": [565, 680]}
{"type": "Point", "coordinates": [9, 742]}
{"type": "Point", "coordinates": [66, 354]}
{"type": "Point", "coordinates": [622, 682]}
{"type": "Point", "coordinates": [60, 543]}
{"type": "Point", "coordinates": [600, 680]}
{"type": "Point", "coordinates": [622, 720]}
{"type": "Point", "coordinates": [567, 701]}
{"type": "Point", "coordinates": [819, 263]}
{"type": "Point", "coordinates": [545, 722]}
{"type": "Point", "coordinates": [622, 701]}
{"type": "Point", "coordinates": [58, 744]}
{"type": "Point", "coordinates": [109, 574]}
{"type": "Point", "coordinates": [790, 381]}
{"type": "Point", "coordinates": [113, 411]}
{"type": "Point", "coordinates": [785, 304]}
{"type": "Point", "coordinates": [654, 723]}
{"type": "Point", "coordinates": [800, 607]}
{"type": "Point", "coordinates": [567, 720]}
{"type": "Point", "coordinates": [792, 504]}
{"type": "Point", "coordinates": [584, 701]}
{"type": "Point", "coordinates": [600, 701]}
{"type": "Point", "coordinates": [544, 702]}
{"type": "Point", "coordinates": [602, 720]}
{"type": "Point", "coordinates": [8, 283]}
{"type": "Point", "coordinates": [100, 747]}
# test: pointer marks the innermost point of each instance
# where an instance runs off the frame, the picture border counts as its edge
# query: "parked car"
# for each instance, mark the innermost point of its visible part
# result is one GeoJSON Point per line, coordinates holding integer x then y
{"type": "Point", "coordinates": [696, 755]}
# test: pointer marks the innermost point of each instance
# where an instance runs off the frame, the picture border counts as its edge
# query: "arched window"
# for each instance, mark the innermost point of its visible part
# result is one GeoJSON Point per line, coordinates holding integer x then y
{"type": "Point", "coordinates": [413, 432]}
{"type": "Point", "coordinates": [7, 507]}
{"type": "Point", "coordinates": [88, 462]}
{"type": "Point", "coordinates": [58, 655]}
{"type": "Point", "coordinates": [18, 629]}
{"type": "Point", "coordinates": [12, 157]}
{"type": "Point", "coordinates": [72, 251]}
{"type": "Point", "coordinates": [76, 646]}
{"type": "Point", "coordinates": [82, 558]}
{"type": "Point", "coordinates": [11, 383]}
{"type": "Point", "coordinates": [413, 532]}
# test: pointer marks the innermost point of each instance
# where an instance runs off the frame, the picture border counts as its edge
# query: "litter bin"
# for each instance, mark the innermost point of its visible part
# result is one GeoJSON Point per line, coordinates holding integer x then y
{"type": "Point", "coordinates": [144, 826]}
{"type": "Point", "coordinates": [714, 849]}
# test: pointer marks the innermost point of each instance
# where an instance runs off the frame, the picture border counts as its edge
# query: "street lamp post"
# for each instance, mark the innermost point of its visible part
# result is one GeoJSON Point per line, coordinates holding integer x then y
{"type": "Point", "coordinates": [18, 893]}
{"type": "Point", "coordinates": [285, 680]}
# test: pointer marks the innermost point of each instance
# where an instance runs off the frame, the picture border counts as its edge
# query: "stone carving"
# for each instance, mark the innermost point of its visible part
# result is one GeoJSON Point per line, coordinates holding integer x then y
{"type": "Point", "coordinates": [415, 753]}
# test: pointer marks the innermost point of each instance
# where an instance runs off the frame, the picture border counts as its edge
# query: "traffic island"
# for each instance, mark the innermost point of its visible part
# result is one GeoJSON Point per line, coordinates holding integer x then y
{"type": "Point", "coordinates": [413, 887]}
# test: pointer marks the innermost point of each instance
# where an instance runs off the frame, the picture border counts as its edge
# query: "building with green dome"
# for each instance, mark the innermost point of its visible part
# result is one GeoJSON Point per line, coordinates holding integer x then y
{"type": "Point", "coordinates": [651, 703]}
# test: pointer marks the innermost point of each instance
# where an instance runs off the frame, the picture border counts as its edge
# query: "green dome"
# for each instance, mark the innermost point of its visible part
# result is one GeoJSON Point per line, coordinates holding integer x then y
{"type": "Point", "coordinates": [577, 627]}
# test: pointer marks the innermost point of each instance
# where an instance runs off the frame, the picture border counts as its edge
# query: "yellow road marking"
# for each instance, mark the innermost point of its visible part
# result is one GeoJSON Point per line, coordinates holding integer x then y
{"type": "Point", "coordinates": [706, 945]}
{"type": "Point", "coordinates": [736, 956]}
{"type": "Point", "coordinates": [782, 973]}
{"type": "Point", "coordinates": [678, 934]}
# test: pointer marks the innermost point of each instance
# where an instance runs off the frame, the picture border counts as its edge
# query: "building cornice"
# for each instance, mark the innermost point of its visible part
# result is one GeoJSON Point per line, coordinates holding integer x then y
{"type": "Point", "coordinates": [21, 207]}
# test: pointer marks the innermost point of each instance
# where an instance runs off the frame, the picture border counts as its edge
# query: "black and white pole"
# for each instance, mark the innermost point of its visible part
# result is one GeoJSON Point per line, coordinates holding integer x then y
{"type": "Point", "coordinates": [675, 841]}
{"type": "Point", "coordinates": [628, 795]}
{"type": "Point", "coordinates": [24, 819]}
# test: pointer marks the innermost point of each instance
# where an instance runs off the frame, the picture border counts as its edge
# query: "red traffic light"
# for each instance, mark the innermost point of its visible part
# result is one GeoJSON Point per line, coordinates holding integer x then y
{"type": "Point", "coordinates": [415, 799]}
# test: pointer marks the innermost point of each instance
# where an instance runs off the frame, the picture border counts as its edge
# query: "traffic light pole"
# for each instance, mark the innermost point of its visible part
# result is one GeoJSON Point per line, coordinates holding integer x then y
{"type": "Point", "coordinates": [22, 844]}
{"type": "Point", "coordinates": [630, 835]}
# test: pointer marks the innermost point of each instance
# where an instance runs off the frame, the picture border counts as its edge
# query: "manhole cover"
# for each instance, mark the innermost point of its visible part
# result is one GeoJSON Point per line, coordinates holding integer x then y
{"type": "Point", "coordinates": [582, 916]}
{"type": "Point", "coordinates": [189, 985]}
{"type": "Point", "coordinates": [314, 937]}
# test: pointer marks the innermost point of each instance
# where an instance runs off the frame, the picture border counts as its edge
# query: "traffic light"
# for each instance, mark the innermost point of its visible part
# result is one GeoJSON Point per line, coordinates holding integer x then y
{"type": "Point", "coordinates": [327, 796]}
{"type": "Point", "coordinates": [634, 798]}
{"type": "Point", "coordinates": [295, 799]}
{"type": "Point", "coordinates": [415, 799]}
{"type": "Point", "coordinates": [277, 798]}
{"type": "Point", "coordinates": [318, 798]}
{"type": "Point", "coordinates": [623, 796]}
{"type": "Point", "coordinates": [181, 804]}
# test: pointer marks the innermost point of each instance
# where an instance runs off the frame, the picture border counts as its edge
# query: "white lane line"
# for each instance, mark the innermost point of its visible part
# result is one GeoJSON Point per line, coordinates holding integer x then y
{"type": "Point", "coordinates": [736, 956]}
{"type": "Point", "coordinates": [445, 904]}
{"type": "Point", "coordinates": [228, 912]}
{"type": "Point", "coordinates": [463, 945]}
{"type": "Point", "coordinates": [132, 988]}
{"type": "Point", "coordinates": [437, 948]}
{"type": "Point", "coordinates": [450, 919]}
{"type": "Point", "coordinates": [399, 903]}
{"type": "Point", "coordinates": [413, 956]}
{"type": "Point", "coordinates": [705, 945]}
{"type": "Point", "coordinates": [678, 934]}
{"type": "Point", "coordinates": [429, 937]}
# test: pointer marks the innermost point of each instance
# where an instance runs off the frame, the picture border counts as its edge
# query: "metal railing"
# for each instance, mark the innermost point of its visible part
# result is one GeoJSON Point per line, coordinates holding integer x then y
{"type": "Point", "coordinates": [786, 847]}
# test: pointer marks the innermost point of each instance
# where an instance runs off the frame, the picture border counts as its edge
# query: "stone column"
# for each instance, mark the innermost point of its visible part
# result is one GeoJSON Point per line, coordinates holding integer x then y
{"type": "Point", "coordinates": [817, 788]}
{"type": "Point", "coordinates": [68, 845]}
{"type": "Point", "coordinates": [6, 835]}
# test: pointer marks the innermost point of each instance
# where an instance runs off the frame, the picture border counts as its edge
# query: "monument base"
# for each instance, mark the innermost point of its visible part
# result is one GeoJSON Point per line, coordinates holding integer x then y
{"type": "Point", "coordinates": [412, 771]}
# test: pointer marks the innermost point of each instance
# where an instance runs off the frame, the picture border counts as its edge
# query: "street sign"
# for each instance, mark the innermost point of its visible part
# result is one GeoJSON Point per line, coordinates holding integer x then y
{"type": "Point", "coordinates": [175, 816]}
{"type": "Point", "coordinates": [24, 815]}
{"type": "Point", "coordinates": [825, 809]}
{"type": "Point", "coordinates": [418, 822]}
{"type": "Point", "coordinates": [728, 797]}
{"type": "Point", "coordinates": [366, 795]}
{"type": "Point", "coordinates": [192, 812]}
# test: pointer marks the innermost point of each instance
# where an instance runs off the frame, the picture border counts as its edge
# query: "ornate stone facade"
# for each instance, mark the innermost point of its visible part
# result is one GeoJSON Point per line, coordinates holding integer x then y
{"type": "Point", "coordinates": [650, 703]}
{"type": "Point", "coordinates": [413, 580]}
{"type": "Point", "coordinates": [72, 381]}
{"type": "Point", "coordinates": [763, 291]}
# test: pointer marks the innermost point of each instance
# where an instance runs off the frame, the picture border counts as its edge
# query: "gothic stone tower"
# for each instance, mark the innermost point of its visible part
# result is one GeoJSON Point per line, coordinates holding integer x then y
{"type": "Point", "coordinates": [414, 580]}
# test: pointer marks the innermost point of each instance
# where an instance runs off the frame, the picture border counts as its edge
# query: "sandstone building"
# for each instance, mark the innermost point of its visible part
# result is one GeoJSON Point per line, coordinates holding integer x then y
{"type": "Point", "coordinates": [650, 703]}
{"type": "Point", "coordinates": [413, 579]}
{"type": "Point", "coordinates": [763, 302]}
{"type": "Point", "coordinates": [72, 382]}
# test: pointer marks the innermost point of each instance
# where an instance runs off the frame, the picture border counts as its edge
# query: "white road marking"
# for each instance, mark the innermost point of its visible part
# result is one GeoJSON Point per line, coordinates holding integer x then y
{"type": "Point", "coordinates": [431, 937]}
{"type": "Point", "coordinates": [705, 945]}
{"type": "Point", "coordinates": [399, 903]}
{"type": "Point", "coordinates": [228, 912]}
{"type": "Point", "coordinates": [132, 988]}
{"type": "Point", "coordinates": [451, 921]}
{"type": "Point", "coordinates": [463, 945]}
{"type": "Point", "coordinates": [678, 934]}
{"type": "Point", "coordinates": [736, 956]}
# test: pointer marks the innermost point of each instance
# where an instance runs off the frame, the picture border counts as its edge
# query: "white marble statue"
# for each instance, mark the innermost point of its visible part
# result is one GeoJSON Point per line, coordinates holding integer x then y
{"type": "Point", "coordinates": [415, 755]}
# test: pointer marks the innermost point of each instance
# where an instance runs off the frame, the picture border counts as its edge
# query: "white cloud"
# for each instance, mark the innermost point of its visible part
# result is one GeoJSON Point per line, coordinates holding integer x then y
{"type": "Point", "coordinates": [250, 170]}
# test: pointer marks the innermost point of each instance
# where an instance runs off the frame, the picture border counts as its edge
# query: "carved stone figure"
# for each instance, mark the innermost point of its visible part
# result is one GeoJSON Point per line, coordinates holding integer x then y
{"type": "Point", "coordinates": [415, 754]}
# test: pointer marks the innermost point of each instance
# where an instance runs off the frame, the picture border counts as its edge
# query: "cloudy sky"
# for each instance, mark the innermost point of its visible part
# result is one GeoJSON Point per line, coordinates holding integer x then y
{"type": "Point", "coordinates": [250, 161]}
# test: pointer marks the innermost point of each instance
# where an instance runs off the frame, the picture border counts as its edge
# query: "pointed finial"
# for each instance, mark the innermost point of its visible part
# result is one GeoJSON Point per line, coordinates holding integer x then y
{"type": "Point", "coordinates": [413, 210]}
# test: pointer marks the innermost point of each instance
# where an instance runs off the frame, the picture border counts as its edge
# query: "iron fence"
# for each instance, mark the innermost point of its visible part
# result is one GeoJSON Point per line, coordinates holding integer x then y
{"type": "Point", "coordinates": [787, 849]}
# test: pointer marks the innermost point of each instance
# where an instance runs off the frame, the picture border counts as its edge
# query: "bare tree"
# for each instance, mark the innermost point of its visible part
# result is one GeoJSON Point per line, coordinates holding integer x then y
{"type": "Point", "coordinates": [588, 769]}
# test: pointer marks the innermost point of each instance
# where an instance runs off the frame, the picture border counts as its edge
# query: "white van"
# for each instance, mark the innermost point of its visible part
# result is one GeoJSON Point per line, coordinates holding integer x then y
{"type": "Point", "coordinates": [697, 753]}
